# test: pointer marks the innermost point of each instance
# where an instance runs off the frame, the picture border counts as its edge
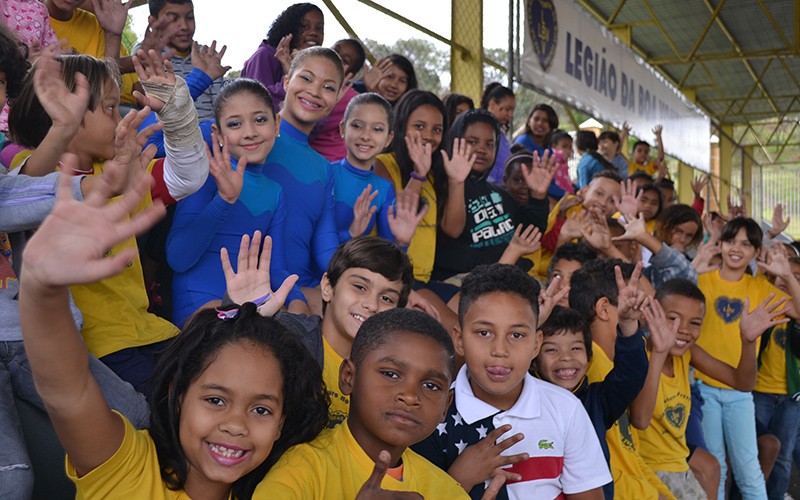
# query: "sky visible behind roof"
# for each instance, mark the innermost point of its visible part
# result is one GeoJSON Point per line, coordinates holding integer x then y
{"type": "Point", "coordinates": [242, 24]}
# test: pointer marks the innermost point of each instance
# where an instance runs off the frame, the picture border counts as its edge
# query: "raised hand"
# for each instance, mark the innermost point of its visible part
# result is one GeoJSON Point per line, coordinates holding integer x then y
{"type": "Point", "coordinates": [596, 233]}
{"type": "Point", "coordinates": [82, 233]}
{"type": "Point", "coordinates": [460, 165]}
{"type": "Point", "coordinates": [628, 202]}
{"type": "Point", "coordinates": [130, 161]}
{"type": "Point", "coordinates": [371, 489]}
{"type": "Point", "coordinates": [539, 174]}
{"type": "Point", "coordinates": [420, 153]}
{"type": "Point", "coordinates": [229, 181]}
{"type": "Point", "coordinates": [158, 34]}
{"type": "Point", "coordinates": [629, 299]}
{"type": "Point", "coordinates": [112, 15]}
{"type": "Point", "coordinates": [65, 108]}
{"type": "Point", "coordinates": [376, 73]}
{"type": "Point", "coordinates": [713, 227]}
{"type": "Point", "coordinates": [150, 68]}
{"type": "Point", "coordinates": [635, 229]}
{"type": "Point", "coordinates": [753, 323]}
{"type": "Point", "coordinates": [698, 185]}
{"type": "Point", "coordinates": [777, 264]}
{"type": "Point", "coordinates": [735, 210]}
{"type": "Point", "coordinates": [624, 132]}
{"type": "Point", "coordinates": [779, 224]}
{"type": "Point", "coordinates": [251, 279]}
{"type": "Point", "coordinates": [573, 225]}
{"type": "Point", "coordinates": [484, 459]}
{"type": "Point", "coordinates": [551, 297]}
{"type": "Point", "coordinates": [208, 60]}
{"type": "Point", "coordinates": [283, 53]}
{"type": "Point", "coordinates": [405, 216]}
{"type": "Point", "coordinates": [657, 131]}
{"type": "Point", "coordinates": [526, 241]}
{"type": "Point", "coordinates": [705, 254]}
{"type": "Point", "coordinates": [363, 210]}
{"type": "Point", "coordinates": [663, 333]}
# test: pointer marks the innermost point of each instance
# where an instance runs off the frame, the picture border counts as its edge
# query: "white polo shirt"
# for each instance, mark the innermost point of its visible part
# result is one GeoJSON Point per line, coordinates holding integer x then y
{"type": "Point", "coordinates": [564, 454]}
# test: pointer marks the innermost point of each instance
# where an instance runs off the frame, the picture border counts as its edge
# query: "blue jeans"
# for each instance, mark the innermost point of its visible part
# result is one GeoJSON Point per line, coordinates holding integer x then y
{"type": "Point", "coordinates": [781, 415]}
{"type": "Point", "coordinates": [16, 476]}
{"type": "Point", "coordinates": [729, 423]}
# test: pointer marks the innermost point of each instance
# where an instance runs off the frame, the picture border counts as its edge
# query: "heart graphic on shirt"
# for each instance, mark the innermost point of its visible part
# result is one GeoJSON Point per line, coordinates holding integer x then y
{"type": "Point", "coordinates": [676, 414]}
{"type": "Point", "coordinates": [728, 309]}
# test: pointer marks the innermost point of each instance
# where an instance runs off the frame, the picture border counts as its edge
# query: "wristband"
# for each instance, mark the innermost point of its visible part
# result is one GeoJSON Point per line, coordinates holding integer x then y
{"type": "Point", "coordinates": [418, 177]}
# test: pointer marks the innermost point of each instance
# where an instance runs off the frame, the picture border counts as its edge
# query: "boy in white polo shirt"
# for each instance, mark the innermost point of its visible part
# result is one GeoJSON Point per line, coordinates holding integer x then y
{"type": "Point", "coordinates": [503, 420]}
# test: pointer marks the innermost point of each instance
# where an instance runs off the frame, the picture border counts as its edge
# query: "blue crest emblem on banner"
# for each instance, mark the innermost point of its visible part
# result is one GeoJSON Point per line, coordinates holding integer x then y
{"type": "Point", "coordinates": [543, 29]}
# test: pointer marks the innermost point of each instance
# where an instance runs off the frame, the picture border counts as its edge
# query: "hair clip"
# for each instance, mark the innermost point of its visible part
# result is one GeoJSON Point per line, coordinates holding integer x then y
{"type": "Point", "coordinates": [226, 315]}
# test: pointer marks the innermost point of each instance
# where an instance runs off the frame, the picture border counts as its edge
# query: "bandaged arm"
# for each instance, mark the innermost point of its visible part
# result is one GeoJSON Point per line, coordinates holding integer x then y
{"type": "Point", "coordinates": [186, 163]}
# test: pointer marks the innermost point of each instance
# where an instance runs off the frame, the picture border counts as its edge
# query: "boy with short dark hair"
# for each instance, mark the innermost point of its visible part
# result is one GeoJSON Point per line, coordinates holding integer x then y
{"type": "Point", "coordinates": [640, 157]}
{"type": "Point", "coordinates": [662, 408]}
{"type": "Point", "coordinates": [594, 294]}
{"type": "Point", "coordinates": [366, 275]}
{"type": "Point", "coordinates": [502, 415]}
{"type": "Point", "coordinates": [397, 376]}
{"type": "Point", "coordinates": [173, 21]}
{"type": "Point", "coordinates": [567, 259]}
{"type": "Point", "coordinates": [567, 350]}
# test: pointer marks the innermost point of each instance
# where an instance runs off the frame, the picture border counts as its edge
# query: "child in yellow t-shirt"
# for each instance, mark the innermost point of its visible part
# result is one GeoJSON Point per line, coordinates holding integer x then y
{"type": "Point", "coordinates": [593, 293]}
{"type": "Point", "coordinates": [95, 35]}
{"type": "Point", "coordinates": [662, 409]}
{"type": "Point", "coordinates": [776, 392]}
{"type": "Point", "coordinates": [83, 126]}
{"type": "Point", "coordinates": [365, 276]}
{"type": "Point", "coordinates": [398, 376]}
{"type": "Point", "coordinates": [230, 394]}
{"type": "Point", "coordinates": [640, 157]}
{"type": "Point", "coordinates": [728, 414]}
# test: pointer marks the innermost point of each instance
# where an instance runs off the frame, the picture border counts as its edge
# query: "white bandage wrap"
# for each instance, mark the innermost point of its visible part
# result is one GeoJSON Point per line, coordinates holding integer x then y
{"type": "Point", "coordinates": [186, 163]}
{"type": "Point", "coordinates": [179, 117]}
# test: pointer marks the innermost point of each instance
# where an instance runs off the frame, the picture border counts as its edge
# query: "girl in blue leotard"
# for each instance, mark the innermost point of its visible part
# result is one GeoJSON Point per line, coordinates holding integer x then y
{"type": "Point", "coordinates": [235, 200]}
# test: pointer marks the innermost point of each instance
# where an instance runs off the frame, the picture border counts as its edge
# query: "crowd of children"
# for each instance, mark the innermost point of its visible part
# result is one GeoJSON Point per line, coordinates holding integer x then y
{"type": "Point", "coordinates": [362, 288]}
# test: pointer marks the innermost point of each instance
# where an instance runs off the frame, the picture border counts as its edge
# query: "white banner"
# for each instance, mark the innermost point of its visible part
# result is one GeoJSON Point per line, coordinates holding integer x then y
{"type": "Point", "coordinates": [568, 55]}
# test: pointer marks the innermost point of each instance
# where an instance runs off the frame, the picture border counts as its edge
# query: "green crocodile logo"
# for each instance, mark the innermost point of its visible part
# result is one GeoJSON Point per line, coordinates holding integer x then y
{"type": "Point", "coordinates": [545, 444]}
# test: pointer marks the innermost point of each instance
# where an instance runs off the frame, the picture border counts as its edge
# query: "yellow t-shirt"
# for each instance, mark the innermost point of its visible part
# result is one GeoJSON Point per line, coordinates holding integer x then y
{"type": "Point", "coordinates": [422, 249]}
{"type": "Point", "coordinates": [542, 257]}
{"type": "Point", "coordinates": [334, 466]}
{"type": "Point", "coordinates": [632, 477]}
{"type": "Point", "coordinates": [663, 443]}
{"type": "Point", "coordinates": [340, 403]}
{"type": "Point", "coordinates": [724, 303]}
{"type": "Point", "coordinates": [114, 310]}
{"type": "Point", "coordinates": [131, 472]}
{"type": "Point", "coordinates": [85, 36]}
{"type": "Point", "coordinates": [650, 167]}
{"type": "Point", "coordinates": [772, 373]}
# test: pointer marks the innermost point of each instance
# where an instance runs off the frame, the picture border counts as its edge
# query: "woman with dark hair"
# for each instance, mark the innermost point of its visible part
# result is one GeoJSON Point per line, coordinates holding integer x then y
{"type": "Point", "coordinates": [300, 26]}
{"type": "Point", "coordinates": [539, 127]}
{"type": "Point", "coordinates": [500, 102]}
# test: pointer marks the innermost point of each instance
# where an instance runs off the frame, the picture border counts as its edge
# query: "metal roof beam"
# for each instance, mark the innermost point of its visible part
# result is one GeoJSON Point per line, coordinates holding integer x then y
{"type": "Point", "coordinates": [774, 24]}
{"type": "Point", "coordinates": [738, 49]}
{"type": "Point", "coordinates": [706, 29]}
{"type": "Point", "coordinates": [616, 12]}
{"type": "Point", "coordinates": [726, 56]}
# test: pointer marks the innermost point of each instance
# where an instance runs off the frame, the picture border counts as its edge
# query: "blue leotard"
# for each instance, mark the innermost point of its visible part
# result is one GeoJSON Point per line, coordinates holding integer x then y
{"type": "Point", "coordinates": [349, 182]}
{"type": "Point", "coordinates": [204, 223]}
{"type": "Point", "coordinates": [307, 182]}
